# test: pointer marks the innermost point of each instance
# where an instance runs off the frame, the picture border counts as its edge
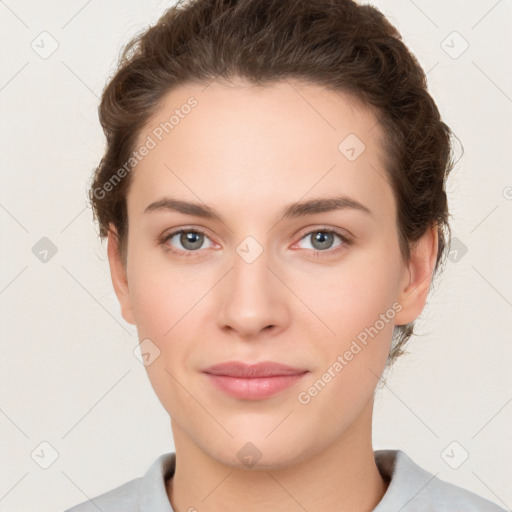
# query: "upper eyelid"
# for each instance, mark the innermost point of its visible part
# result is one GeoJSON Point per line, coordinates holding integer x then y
{"type": "Point", "coordinates": [337, 231]}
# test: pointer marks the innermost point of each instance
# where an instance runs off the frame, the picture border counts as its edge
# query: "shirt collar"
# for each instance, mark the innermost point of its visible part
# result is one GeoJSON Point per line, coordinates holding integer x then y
{"type": "Point", "coordinates": [394, 465]}
{"type": "Point", "coordinates": [152, 491]}
{"type": "Point", "coordinates": [406, 479]}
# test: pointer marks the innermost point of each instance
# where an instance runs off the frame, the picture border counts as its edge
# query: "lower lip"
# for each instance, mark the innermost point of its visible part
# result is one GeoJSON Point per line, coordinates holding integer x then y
{"type": "Point", "coordinates": [254, 388]}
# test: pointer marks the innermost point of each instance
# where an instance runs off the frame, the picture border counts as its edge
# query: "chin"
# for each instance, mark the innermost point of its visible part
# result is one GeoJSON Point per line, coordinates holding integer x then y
{"type": "Point", "coordinates": [258, 452]}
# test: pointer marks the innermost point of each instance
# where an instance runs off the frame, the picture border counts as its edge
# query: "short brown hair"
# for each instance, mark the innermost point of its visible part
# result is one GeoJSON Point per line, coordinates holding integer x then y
{"type": "Point", "coordinates": [337, 44]}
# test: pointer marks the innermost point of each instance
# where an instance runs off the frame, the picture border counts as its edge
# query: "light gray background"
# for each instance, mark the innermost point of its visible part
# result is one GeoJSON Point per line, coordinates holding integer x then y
{"type": "Point", "coordinates": [67, 371]}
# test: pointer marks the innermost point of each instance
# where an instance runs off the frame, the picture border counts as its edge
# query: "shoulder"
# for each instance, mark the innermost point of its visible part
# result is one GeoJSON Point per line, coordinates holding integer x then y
{"type": "Point", "coordinates": [123, 498]}
{"type": "Point", "coordinates": [144, 493]}
{"type": "Point", "coordinates": [412, 488]}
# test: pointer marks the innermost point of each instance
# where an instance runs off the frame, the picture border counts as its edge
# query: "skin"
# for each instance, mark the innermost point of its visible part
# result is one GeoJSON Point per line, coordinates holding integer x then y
{"type": "Point", "coordinates": [247, 152]}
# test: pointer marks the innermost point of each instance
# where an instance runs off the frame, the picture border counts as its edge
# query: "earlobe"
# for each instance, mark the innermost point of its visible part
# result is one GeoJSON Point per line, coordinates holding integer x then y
{"type": "Point", "coordinates": [119, 277]}
{"type": "Point", "coordinates": [418, 277]}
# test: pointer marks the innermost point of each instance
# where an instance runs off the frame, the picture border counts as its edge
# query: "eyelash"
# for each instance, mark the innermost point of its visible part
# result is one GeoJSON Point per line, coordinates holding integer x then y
{"type": "Point", "coordinates": [347, 241]}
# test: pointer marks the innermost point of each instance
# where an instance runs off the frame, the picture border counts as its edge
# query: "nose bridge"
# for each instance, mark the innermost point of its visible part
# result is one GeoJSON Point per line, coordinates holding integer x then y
{"type": "Point", "coordinates": [251, 277]}
{"type": "Point", "coordinates": [253, 300]}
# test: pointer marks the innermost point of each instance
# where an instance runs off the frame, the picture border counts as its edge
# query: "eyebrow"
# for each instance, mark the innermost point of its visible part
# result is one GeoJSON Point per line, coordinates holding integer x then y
{"type": "Point", "coordinates": [293, 210]}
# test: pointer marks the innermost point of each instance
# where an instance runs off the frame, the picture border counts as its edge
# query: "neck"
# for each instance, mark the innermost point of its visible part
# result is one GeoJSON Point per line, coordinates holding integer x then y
{"type": "Point", "coordinates": [343, 477]}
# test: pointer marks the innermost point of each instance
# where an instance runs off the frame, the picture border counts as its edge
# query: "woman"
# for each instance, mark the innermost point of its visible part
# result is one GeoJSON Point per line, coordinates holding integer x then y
{"type": "Point", "coordinates": [273, 194]}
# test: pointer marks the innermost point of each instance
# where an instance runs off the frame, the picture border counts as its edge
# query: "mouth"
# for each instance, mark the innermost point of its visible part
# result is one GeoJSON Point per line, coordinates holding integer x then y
{"type": "Point", "coordinates": [253, 382]}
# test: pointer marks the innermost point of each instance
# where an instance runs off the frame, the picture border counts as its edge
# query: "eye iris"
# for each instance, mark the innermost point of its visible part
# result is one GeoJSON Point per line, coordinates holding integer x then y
{"type": "Point", "coordinates": [321, 237]}
{"type": "Point", "coordinates": [191, 237]}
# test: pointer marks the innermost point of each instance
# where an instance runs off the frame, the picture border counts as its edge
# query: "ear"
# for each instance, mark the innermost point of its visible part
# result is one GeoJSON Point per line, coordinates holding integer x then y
{"type": "Point", "coordinates": [415, 284]}
{"type": "Point", "coordinates": [119, 275]}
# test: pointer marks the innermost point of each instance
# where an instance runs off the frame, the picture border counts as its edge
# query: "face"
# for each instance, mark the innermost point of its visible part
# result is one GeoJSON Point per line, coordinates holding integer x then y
{"type": "Point", "coordinates": [319, 289]}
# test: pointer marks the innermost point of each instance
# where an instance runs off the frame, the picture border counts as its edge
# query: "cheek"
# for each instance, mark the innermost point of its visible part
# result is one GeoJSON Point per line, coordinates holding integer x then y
{"type": "Point", "coordinates": [162, 296]}
{"type": "Point", "coordinates": [168, 305]}
{"type": "Point", "coordinates": [358, 304]}
{"type": "Point", "coordinates": [353, 296]}
{"type": "Point", "coordinates": [164, 305]}
{"type": "Point", "coordinates": [358, 307]}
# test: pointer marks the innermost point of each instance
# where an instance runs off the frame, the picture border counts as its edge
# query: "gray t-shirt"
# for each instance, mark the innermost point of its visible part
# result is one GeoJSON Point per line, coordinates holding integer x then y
{"type": "Point", "coordinates": [411, 489]}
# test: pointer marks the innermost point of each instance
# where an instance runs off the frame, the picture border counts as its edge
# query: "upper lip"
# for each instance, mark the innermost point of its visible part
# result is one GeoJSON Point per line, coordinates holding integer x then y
{"type": "Point", "coordinates": [244, 370]}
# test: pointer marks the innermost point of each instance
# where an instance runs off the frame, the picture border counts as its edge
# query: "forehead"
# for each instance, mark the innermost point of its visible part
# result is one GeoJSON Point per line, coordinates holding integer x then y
{"type": "Point", "coordinates": [244, 141]}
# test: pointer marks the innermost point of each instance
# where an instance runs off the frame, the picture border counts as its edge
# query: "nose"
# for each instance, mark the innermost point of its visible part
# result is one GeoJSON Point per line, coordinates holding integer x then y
{"type": "Point", "coordinates": [253, 298]}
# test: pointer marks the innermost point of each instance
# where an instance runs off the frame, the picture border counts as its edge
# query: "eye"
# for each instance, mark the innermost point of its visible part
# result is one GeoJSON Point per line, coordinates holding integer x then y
{"type": "Point", "coordinates": [322, 240]}
{"type": "Point", "coordinates": [190, 239]}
